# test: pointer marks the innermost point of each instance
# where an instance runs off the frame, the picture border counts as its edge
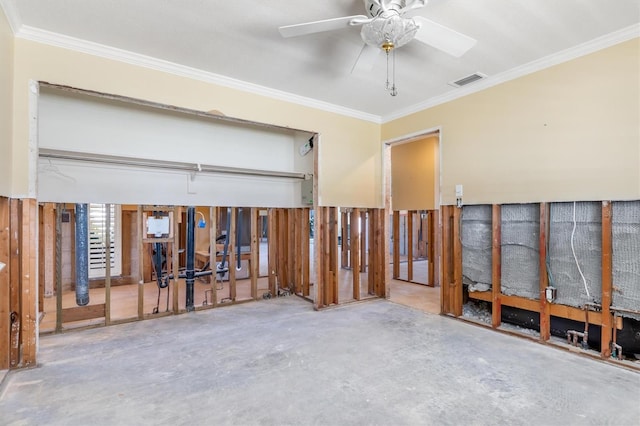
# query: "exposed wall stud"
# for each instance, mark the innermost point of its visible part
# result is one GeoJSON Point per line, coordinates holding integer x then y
{"type": "Point", "coordinates": [355, 251]}
{"type": "Point", "coordinates": [607, 280]}
{"type": "Point", "coordinates": [5, 294]}
{"type": "Point", "coordinates": [545, 316]}
{"type": "Point", "coordinates": [496, 291]}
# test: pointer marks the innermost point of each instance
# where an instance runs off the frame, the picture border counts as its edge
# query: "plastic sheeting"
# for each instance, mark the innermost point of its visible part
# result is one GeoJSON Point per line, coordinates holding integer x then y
{"type": "Point", "coordinates": [476, 247]}
{"type": "Point", "coordinates": [625, 229]}
{"type": "Point", "coordinates": [587, 244]}
{"type": "Point", "coordinates": [520, 254]}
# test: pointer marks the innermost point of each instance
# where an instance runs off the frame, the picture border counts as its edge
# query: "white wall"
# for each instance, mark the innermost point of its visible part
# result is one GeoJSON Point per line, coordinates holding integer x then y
{"type": "Point", "coordinates": [82, 123]}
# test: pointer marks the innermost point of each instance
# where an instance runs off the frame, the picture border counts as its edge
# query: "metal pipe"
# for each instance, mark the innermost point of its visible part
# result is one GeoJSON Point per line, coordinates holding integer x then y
{"type": "Point", "coordinates": [624, 310]}
{"type": "Point", "coordinates": [160, 164]}
{"type": "Point", "coordinates": [616, 349]}
{"type": "Point", "coordinates": [191, 255]}
{"type": "Point", "coordinates": [82, 254]}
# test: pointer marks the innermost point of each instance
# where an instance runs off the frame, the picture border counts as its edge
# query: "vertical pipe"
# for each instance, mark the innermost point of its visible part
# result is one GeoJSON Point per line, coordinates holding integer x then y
{"type": "Point", "coordinates": [191, 254]}
{"type": "Point", "coordinates": [82, 254]}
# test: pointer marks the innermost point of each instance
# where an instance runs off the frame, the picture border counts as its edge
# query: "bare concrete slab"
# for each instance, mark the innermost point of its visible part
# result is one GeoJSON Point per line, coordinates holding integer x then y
{"type": "Point", "coordinates": [278, 362]}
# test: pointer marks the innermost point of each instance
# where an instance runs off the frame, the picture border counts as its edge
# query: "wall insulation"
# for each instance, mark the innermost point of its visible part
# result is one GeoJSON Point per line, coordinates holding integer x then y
{"type": "Point", "coordinates": [476, 247]}
{"type": "Point", "coordinates": [520, 253]}
{"type": "Point", "coordinates": [625, 230]}
{"type": "Point", "coordinates": [582, 220]}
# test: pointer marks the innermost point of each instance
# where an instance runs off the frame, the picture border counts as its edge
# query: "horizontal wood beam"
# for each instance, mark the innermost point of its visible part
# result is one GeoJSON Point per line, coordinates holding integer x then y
{"type": "Point", "coordinates": [561, 311]}
{"type": "Point", "coordinates": [80, 313]}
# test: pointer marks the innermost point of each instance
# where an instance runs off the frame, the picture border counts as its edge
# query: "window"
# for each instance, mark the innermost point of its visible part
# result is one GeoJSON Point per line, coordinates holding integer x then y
{"type": "Point", "coordinates": [97, 240]}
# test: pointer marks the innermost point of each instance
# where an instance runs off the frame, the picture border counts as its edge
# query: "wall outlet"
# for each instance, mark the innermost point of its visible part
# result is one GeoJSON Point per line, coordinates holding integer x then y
{"type": "Point", "coordinates": [459, 191]}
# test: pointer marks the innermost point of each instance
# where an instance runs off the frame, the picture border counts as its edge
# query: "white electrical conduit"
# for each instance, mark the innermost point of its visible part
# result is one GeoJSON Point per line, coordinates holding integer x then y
{"type": "Point", "coordinates": [573, 250]}
{"type": "Point", "coordinates": [160, 164]}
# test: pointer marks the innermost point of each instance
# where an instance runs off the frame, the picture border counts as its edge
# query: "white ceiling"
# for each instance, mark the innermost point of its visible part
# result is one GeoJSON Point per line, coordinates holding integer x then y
{"type": "Point", "coordinates": [239, 39]}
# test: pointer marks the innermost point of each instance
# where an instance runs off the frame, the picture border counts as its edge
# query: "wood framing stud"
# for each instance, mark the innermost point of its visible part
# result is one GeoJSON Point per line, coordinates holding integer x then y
{"type": "Point", "coordinates": [5, 305]}
{"type": "Point", "coordinates": [355, 252]}
{"type": "Point", "coordinates": [457, 263]}
{"type": "Point", "coordinates": [607, 280]}
{"type": "Point", "coordinates": [496, 247]}
{"type": "Point", "coordinates": [545, 315]}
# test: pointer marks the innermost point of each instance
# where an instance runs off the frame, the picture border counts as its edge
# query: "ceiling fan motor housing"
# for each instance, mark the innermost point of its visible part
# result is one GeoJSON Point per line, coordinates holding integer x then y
{"type": "Point", "coordinates": [377, 7]}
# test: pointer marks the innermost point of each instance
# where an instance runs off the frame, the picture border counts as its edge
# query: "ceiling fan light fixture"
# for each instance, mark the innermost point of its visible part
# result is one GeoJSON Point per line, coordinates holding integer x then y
{"type": "Point", "coordinates": [389, 27]}
{"type": "Point", "coordinates": [387, 31]}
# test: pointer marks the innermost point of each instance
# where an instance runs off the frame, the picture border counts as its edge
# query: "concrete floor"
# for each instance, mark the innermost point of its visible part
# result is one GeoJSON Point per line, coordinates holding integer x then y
{"type": "Point", "coordinates": [280, 362]}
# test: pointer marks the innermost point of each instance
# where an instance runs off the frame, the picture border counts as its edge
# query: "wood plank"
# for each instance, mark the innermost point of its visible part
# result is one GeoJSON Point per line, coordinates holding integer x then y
{"type": "Point", "coordinates": [319, 256]}
{"type": "Point", "coordinates": [370, 253]}
{"type": "Point", "coordinates": [29, 266]}
{"type": "Point", "coordinates": [176, 217]}
{"type": "Point", "coordinates": [445, 259]}
{"type": "Point", "coordinates": [58, 286]}
{"type": "Point", "coordinates": [328, 273]}
{"type": "Point", "coordinates": [607, 281]}
{"type": "Point", "coordinates": [281, 272]}
{"type": "Point", "coordinates": [410, 214]}
{"type": "Point", "coordinates": [107, 275]}
{"type": "Point", "coordinates": [561, 311]}
{"type": "Point", "coordinates": [355, 251]}
{"type": "Point", "coordinates": [437, 248]}
{"type": "Point", "coordinates": [15, 281]}
{"type": "Point", "coordinates": [41, 258]}
{"type": "Point", "coordinates": [431, 245]}
{"type": "Point", "coordinates": [126, 241]}
{"type": "Point", "coordinates": [363, 240]}
{"type": "Point", "coordinates": [457, 263]}
{"type": "Point", "coordinates": [232, 254]}
{"type": "Point", "coordinates": [291, 246]}
{"type": "Point", "coordinates": [334, 255]}
{"type": "Point", "coordinates": [305, 252]}
{"type": "Point", "coordinates": [255, 262]}
{"type": "Point", "coordinates": [81, 313]}
{"type": "Point", "coordinates": [213, 234]}
{"type": "Point", "coordinates": [396, 244]}
{"type": "Point", "coordinates": [297, 252]}
{"type": "Point", "coordinates": [49, 248]}
{"type": "Point", "coordinates": [386, 241]}
{"type": "Point", "coordinates": [577, 314]}
{"type": "Point", "coordinates": [545, 316]}
{"type": "Point", "coordinates": [5, 293]}
{"type": "Point", "coordinates": [272, 248]}
{"type": "Point", "coordinates": [344, 233]}
{"type": "Point", "coordinates": [382, 250]}
{"type": "Point", "coordinates": [143, 256]}
{"type": "Point", "coordinates": [496, 265]}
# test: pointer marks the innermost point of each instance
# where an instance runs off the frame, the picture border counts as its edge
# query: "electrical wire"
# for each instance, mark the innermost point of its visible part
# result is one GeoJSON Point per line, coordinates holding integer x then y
{"type": "Point", "coordinates": [573, 250]}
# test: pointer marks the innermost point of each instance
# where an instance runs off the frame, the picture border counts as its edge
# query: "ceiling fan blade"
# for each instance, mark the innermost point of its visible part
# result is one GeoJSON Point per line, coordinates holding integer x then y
{"type": "Point", "coordinates": [366, 59]}
{"type": "Point", "coordinates": [443, 38]}
{"type": "Point", "coordinates": [321, 26]}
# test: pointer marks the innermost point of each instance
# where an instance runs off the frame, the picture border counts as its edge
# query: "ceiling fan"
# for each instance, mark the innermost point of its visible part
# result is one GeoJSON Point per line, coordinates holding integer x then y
{"type": "Point", "coordinates": [386, 27]}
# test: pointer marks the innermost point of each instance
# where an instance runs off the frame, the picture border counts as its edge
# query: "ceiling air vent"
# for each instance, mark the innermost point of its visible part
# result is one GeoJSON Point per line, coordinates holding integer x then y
{"type": "Point", "coordinates": [467, 80]}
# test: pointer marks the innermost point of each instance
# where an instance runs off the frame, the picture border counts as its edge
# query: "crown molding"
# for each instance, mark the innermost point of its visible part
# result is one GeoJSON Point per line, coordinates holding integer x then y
{"type": "Point", "coordinates": [59, 40]}
{"type": "Point", "coordinates": [594, 45]}
{"type": "Point", "coordinates": [13, 17]}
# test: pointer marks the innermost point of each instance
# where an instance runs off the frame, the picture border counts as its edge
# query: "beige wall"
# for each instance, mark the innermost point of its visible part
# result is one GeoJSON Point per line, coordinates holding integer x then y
{"type": "Point", "coordinates": [6, 95]}
{"type": "Point", "coordinates": [349, 150]}
{"type": "Point", "coordinates": [413, 174]}
{"type": "Point", "coordinates": [569, 132]}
